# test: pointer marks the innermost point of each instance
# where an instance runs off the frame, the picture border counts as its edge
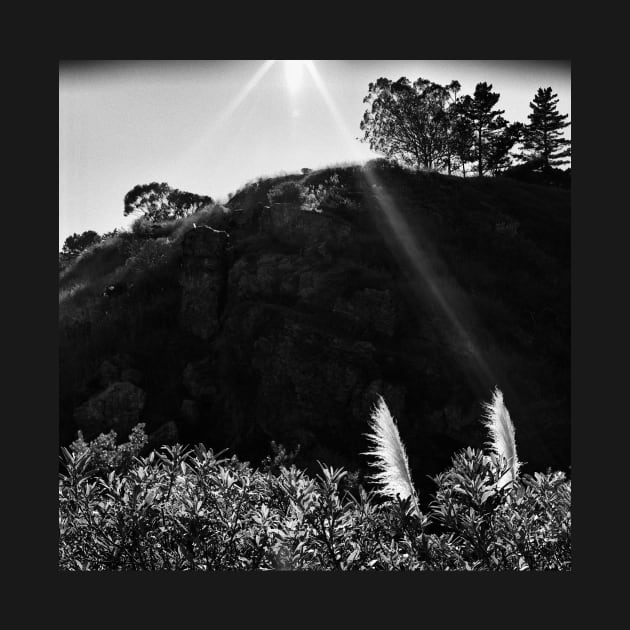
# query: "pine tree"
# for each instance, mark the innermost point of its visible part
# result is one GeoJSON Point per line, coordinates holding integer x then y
{"type": "Point", "coordinates": [543, 137]}
{"type": "Point", "coordinates": [498, 155]}
{"type": "Point", "coordinates": [485, 121]}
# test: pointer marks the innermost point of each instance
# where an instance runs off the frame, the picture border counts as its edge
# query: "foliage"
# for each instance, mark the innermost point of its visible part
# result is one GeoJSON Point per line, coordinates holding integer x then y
{"type": "Point", "coordinates": [286, 192]}
{"type": "Point", "coordinates": [485, 121]}
{"type": "Point", "coordinates": [498, 157]}
{"type": "Point", "coordinates": [331, 193]}
{"type": "Point", "coordinates": [77, 243]}
{"type": "Point", "coordinates": [410, 122]}
{"type": "Point", "coordinates": [542, 136]}
{"type": "Point", "coordinates": [191, 509]}
{"type": "Point", "coordinates": [103, 452]}
{"type": "Point", "coordinates": [496, 528]}
{"type": "Point", "coordinates": [159, 202]}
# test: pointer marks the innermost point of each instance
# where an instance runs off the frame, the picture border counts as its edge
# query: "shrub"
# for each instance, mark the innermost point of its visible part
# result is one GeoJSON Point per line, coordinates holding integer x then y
{"type": "Point", "coordinates": [497, 528]}
{"type": "Point", "coordinates": [329, 194]}
{"type": "Point", "coordinates": [183, 509]}
{"type": "Point", "coordinates": [286, 192]}
{"type": "Point", "coordinates": [105, 455]}
{"type": "Point", "coordinates": [76, 243]}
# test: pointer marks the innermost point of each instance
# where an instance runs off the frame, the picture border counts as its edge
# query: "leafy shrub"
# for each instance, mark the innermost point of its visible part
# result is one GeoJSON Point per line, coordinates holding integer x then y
{"type": "Point", "coordinates": [147, 256]}
{"type": "Point", "coordinates": [76, 243]}
{"type": "Point", "coordinates": [527, 527]}
{"type": "Point", "coordinates": [329, 194]}
{"type": "Point", "coordinates": [183, 509]}
{"type": "Point", "coordinates": [105, 455]}
{"type": "Point", "coordinates": [286, 192]}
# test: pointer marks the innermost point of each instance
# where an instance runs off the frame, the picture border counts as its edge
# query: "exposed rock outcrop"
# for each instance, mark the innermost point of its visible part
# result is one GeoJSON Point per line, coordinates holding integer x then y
{"type": "Point", "coordinates": [287, 222]}
{"type": "Point", "coordinates": [204, 269]}
{"type": "Point", "coordinates": [290, 327]}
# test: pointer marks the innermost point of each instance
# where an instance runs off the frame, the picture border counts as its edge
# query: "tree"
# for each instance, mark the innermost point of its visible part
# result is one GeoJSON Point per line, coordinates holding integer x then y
{"type": "Point", "coordinates": [461, 140]}
{"type": "Point", "coordinates": [160, 202]}
{"type": "Point", "coordinates": [451, 117]}
{"type": "Point", "coordinates": [150, 199]}
{"type": "Point", "coordinates": [76, 243]}
{"type": "Point", "coordinates": [543, 135]}
{"type": "Point", "coordinates": [407, 121]}
{"type": "Point", "coordinates": [486, 122]}
{"type": "Point", "coordinates": [498, 156]}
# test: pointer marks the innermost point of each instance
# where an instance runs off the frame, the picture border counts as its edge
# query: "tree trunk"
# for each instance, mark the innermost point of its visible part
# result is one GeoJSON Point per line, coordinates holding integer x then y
{"type": "Point", "coordinates": [479, 169]}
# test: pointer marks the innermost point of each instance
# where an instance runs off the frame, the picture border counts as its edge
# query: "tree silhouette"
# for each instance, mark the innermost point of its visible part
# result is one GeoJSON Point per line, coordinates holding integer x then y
{"type": "Point", "coordinates": [543, 136]}
{"type": "Point", "coordinates": [160, 202]}
{"type": "Point", "coordinates": [498, 155]}
{"type": "Point", "coordinates": [409, 122]}
{"type": "Point", "coordinates": [76, 243]}
{"type": "Point", "coordinates": [485, 122]}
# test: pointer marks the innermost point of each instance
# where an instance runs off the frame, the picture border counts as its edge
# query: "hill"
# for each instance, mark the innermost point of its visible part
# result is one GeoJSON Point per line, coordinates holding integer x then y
{"type": "Point", "coordinates": [282, 315]}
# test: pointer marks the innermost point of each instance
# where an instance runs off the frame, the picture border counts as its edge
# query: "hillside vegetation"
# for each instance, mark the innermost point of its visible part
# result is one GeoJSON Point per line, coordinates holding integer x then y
{"type": "Point", "coordinates": [311, 295]}
{"type": "Point", "coordinates": [183, 509]}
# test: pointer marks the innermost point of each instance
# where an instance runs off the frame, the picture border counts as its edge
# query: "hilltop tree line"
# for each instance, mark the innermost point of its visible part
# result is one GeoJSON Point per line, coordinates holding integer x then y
{"type": "Point", "coordinates": [421, 124]}
{"type": "Point", "coordinates": [430, 126]}
{"type": "Point", "coordinates": [154, 202]}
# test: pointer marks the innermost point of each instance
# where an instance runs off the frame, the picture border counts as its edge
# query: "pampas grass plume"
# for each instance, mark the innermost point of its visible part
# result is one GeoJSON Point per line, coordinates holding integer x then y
{"type": "Point", "coordinates": [393, 474]}
{"type": "Point", "coordinates": [502, 441]}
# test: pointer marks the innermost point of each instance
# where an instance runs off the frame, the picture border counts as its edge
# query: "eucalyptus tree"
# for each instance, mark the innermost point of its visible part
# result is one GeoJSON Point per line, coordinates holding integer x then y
{"type": "Point", "coordinates": [410, 122]}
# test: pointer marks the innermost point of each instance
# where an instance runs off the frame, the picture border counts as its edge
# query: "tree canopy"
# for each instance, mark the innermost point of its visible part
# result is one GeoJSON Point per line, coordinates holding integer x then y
{"type": "Point", "coordinates": [543, 135]}
{"type": "Point", "coordinates": [427, 125]}
{"type": "Point", "coordinates": [160, 202]}
{"type": "Point", "coordinates": [486, 122]}
{"type": "Point", "coordinates": [76, 243]}
{"type": "Point", "coordinates": [410, 122]}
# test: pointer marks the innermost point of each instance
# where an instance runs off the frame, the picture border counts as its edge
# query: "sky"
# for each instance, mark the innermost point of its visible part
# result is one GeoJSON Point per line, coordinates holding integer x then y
{"type": "Point", "coordinates": [209, 127]}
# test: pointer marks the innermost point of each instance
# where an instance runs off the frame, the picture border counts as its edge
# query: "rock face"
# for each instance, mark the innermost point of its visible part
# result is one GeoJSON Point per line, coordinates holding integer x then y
{"type": "Point", "coordinates": [287, 222]}
{"type": "Point", "coordinates": [204, 268]}
{"type": "Point", "coordinates": [287, 325]}
{"type": "Point", "coordinates": [118, 408]}
{"type": "Point", "coordinates": [372, 309]}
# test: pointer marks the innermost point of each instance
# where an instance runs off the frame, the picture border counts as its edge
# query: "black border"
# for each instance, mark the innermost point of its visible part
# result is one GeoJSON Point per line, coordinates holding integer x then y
{"type": "Point", "coordinates": [268, 599]}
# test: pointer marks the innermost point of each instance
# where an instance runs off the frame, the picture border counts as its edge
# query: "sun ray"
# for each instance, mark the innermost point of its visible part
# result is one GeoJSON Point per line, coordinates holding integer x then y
{"type": "Point", "coordinates": [191, 156]}
{"type": "Point", "coordinates": [414, 256]}
{"type": "Point", "coordinates": [334, 111]}
{"type": "Point", "coordinates": [294, 73]}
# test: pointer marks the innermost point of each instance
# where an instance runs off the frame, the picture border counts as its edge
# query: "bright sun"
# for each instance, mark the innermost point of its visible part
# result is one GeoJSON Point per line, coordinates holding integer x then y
{"type": "Point", "coordinates": [294, 71]}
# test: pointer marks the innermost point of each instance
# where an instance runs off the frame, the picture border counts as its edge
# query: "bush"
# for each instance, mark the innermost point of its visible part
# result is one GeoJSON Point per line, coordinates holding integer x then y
{"type": "Point", "coordinates": [183, 509]}
{"type": "Point", "coordinates": [330, 194]}
{"type": "Point", "coordinates": [77, 243]}
{"type": "Point", "coordinates": [287, 192]}
{"type": "Point", "coordinates": [103, 453]}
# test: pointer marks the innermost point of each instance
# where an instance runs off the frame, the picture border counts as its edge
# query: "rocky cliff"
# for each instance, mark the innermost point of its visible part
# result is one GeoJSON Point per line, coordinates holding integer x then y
{"type": "Point", "coordinates": [271, 322]}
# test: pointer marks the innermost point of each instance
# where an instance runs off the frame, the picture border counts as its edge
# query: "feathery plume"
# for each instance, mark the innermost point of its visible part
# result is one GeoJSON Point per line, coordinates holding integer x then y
{"type": "Point", "coordinates": [497, 420]}
{"type": "Point", "coordinates": [393, 474]}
